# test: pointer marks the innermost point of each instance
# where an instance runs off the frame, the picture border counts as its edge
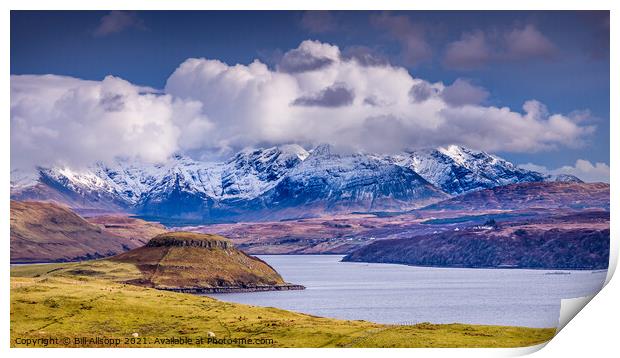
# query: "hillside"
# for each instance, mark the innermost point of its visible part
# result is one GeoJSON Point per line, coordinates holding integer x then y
{"type": "Point", "coordinates": [514, 246]}
{"type": "Point", "coordinates": [200, 263]}
{"type": "Point", "coordinates": [47, 232]}
{"type": "Point", "coordinates": [137, 231]}
{"type": "Point", "coordinates": [546, 195]}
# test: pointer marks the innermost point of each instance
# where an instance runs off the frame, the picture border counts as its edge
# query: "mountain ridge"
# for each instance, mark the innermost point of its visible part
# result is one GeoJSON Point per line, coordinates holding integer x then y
{"type": "Point", "coordinates": [276, 183]}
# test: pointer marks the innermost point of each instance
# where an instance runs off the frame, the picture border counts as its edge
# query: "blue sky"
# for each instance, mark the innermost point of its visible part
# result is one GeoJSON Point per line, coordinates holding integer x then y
{"type": "Point", "coordinates": [563, 62]}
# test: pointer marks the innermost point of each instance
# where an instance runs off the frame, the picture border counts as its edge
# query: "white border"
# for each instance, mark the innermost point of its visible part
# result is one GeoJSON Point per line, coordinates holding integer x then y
{"type": "Point", "coordinates": [594, 331]}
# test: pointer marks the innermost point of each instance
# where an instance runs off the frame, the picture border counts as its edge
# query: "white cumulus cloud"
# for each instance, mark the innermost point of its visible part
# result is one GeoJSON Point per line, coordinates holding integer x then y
{"type": "Point", "coordinates": [583, 169]}
{"type": "Point", "coordinates": [316, 94]}
{"type": "Point", "coordinates": [64, 120]}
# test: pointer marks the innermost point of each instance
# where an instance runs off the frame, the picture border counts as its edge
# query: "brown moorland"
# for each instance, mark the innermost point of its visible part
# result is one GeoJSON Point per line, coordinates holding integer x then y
{"type": "Point", "coordinates": [48, 232]}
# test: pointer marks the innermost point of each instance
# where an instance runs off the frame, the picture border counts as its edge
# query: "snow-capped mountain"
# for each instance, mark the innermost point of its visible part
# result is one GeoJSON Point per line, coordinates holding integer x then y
{"type": "Point", "coordinates": [278, 182]}
{"type": "Point", "coordinates": [185, 186]}
{"type": "Point", "coordinates": [252, 172]}
{"type": "Point", "coordinates": [130, 180]}
{"type": "Point", "coordinates": [213, 190]}
{"type": "Point", "coordinates": [357, 182]}
{"type": "Point", "coordinates": [457, 170]}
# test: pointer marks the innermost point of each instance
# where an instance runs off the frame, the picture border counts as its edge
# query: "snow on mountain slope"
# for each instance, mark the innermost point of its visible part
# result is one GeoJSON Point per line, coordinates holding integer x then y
{"type": "Point", "coordinates": [180, 192]}
{"type": "Point", "coordinates": [566, 178]}
{"type": "Point", "coordinates": [129, 179]}
{"type": "Point", "coordinates": [458, 170]}
{"type": "Point", "coordinates": [252, 172]}
{"type": "Point", "coordinates": [193, 176]}
{"type": "Point", "coordinates": [23, 179]}
{"type": "Point", "coordinates": [345, 183]}
{"type": "Point", "coordinates": [278, 178]}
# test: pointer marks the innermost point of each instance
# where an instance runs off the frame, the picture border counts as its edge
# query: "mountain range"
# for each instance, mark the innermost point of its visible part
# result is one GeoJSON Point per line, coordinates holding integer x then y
{"type": "Point", "coordinates": [274, 183]}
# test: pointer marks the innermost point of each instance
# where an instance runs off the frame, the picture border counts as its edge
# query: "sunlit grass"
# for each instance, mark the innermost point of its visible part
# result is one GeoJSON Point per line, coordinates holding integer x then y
{"type": "Point", "coordinates": [89, 300]}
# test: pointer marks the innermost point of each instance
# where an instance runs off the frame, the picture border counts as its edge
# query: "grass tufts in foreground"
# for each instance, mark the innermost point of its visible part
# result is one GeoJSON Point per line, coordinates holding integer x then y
{"type": "Point", "coordinates": [88, 300]}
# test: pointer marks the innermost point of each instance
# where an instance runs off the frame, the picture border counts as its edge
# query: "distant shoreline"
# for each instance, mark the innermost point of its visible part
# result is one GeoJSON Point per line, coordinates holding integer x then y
{"type": "Point", "coordinates": [484, 267]}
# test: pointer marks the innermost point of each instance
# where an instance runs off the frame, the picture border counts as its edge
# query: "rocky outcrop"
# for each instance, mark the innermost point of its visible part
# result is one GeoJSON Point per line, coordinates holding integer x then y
{"type": "Point", "coordinates": [200, 263]}
{"type": "Point", "coordinates": [185, 239]}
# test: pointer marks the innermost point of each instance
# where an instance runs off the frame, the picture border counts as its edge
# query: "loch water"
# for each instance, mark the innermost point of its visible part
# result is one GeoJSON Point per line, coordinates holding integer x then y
{"type": "Point", "coordinates": [400, 294]}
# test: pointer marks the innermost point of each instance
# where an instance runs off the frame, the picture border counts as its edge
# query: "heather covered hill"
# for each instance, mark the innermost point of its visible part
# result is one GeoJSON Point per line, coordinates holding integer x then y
{"type": "Point", "coordinates": [192, 262]}
{"type": "Point", "coordinates": [546, 195]}
{"type": "Point", "coordinates": [46, 232]}
{"type": "Point", "coordinates": [525, 246]}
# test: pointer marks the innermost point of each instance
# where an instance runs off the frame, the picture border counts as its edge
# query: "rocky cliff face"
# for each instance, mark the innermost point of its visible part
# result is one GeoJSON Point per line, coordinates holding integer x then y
{"type": "Point", "coordinates": [185, 239]}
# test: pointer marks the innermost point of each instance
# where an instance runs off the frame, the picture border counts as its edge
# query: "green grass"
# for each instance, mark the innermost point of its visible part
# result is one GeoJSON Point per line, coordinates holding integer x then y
{"type": "Point", "coordinates": [89, 300]}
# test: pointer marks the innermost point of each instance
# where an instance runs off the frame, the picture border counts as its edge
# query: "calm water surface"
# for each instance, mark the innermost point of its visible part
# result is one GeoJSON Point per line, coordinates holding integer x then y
{"type": "Point", "coordinates": [400, 294]}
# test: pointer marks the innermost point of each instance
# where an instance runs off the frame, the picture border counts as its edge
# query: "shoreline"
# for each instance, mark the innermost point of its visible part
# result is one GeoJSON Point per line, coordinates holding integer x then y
{"type": "Point", "coordinates": [481, 267]}
{"type": "Point", "coordinates": [233, 289]}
